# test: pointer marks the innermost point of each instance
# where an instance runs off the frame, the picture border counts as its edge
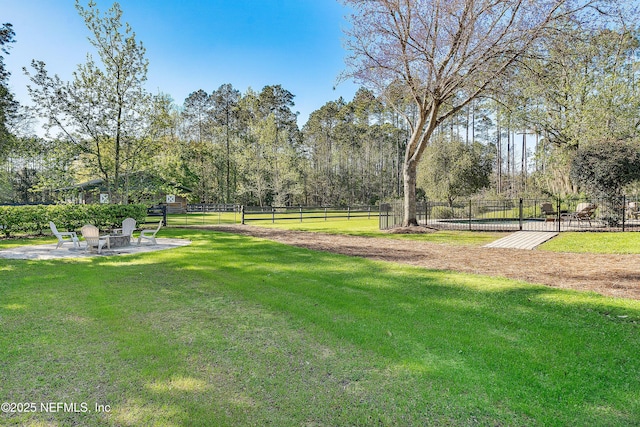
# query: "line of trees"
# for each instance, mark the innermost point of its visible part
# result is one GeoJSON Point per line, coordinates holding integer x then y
{"type": "Point", "coordinates": [512, 130]}
{"type": "Point", "coordinates": [233, 147]}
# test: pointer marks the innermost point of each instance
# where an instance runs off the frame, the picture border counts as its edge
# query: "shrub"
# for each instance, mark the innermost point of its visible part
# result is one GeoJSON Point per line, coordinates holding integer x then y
{"type": "Point", "coordinates": [603, 169]}
{"type": "Point", "coordinates": [67, 217]}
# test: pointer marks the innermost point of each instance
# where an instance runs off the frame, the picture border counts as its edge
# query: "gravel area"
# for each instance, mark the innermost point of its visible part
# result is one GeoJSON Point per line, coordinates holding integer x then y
{"type": "Point", "coordinates": [611, 275]}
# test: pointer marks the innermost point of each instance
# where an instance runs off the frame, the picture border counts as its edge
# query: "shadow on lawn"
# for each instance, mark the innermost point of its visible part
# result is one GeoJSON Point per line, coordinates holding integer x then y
{"type": "Point", "coordinates": [513, 339]}
{"type": "Point", "coordinates": [237, 330]}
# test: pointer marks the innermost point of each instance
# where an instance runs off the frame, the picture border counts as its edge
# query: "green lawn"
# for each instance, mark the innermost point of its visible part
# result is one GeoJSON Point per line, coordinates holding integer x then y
{"type": "Point", "coordinates": [208, 218]}
{"type": "Point", "coordinates": [233, 330]}
{"type": "Point", "coordinates": [608, 243]}
{"type": "Point", "coordinates": [596, 242]}
{"type": "Point", "coordinates": [370, 228]}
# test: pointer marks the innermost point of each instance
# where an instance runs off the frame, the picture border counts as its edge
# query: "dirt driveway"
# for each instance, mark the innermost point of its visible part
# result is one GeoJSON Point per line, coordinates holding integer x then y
{"type": "Point", "coordinates": [612, 275]}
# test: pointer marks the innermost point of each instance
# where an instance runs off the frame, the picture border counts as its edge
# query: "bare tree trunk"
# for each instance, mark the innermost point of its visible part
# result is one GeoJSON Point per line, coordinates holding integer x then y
{"type": "Point", "coordinates": [523, 165]}
{"type": "Point", "coordinates": [473, 121]}
{"type": "Point", "coordinates": [509, 180]}
{"type": "Point", "coordinates": [116, 177]}
{"type": "Point", "coordinates": [467, 123]}
{"type": "Point", "coordinates": [413, 154]}
{"type": "Point", "coordinates": [499, 156]}
{"type": "Point", "coordinates": [409, 175]}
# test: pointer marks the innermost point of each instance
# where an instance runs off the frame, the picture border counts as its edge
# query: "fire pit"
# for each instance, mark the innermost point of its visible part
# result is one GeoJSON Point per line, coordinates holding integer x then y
{"type": "Point", "coordinates": [119, 240]}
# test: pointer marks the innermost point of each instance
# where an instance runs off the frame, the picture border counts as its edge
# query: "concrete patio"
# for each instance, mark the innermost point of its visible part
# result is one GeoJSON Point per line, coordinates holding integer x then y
{"type": "Point", "coordinates": [49, 251]}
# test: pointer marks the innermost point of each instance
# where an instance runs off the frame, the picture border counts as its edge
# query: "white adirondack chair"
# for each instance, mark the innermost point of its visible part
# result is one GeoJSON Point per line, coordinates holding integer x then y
{"type": "Point", "coordinates": [92, 236]}
{"type": "Point", "coordinates": [150, 234]}
{"type": "Point", "coordinates": [64, 236]}
{"type": "Point", "coordinates": [128, 226]}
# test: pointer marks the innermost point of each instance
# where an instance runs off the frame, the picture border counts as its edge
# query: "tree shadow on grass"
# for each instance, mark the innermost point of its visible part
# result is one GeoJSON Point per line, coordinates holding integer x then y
{"type": "Point", "coordinates": [236, 330]}
{"type": "Point", "coordinates": [553, 346]}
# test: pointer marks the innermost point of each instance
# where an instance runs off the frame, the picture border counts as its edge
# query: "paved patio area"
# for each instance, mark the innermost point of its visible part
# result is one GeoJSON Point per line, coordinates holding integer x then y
{"type": "Point", "coordinates": [49, 251]}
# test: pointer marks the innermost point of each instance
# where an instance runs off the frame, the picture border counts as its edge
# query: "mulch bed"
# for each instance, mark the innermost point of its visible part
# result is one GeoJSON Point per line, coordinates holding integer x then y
{"type": "Point", "coordinates": [611, 275]}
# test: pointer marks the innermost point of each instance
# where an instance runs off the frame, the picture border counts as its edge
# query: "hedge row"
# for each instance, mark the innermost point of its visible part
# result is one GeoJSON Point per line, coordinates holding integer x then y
{"type": "Point", "coordinates": [35, 219]}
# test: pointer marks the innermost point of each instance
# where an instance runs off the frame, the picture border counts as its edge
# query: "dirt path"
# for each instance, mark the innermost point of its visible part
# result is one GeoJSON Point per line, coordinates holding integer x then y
{"type": "Point", "coordinates": [612, 275]}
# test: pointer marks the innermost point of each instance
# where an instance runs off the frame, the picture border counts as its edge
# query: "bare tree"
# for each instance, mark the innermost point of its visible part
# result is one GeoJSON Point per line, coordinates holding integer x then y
{"type": "Point", "coordinates": [442, 54]}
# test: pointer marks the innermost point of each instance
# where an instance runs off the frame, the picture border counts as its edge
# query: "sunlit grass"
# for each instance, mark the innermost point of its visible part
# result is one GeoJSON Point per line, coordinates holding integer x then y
{"type": "Point", "coordinates": [356, 226]}
{"type": "Point", "coordinates": [21, 241]}
{"type": "Point", "coordinates": [585, 242]}
{"type": "Point", "coordinates": [580, 242]}
{"type": "Point", "coordinates": [239, 331]}
{"type": "Point", "coordinates": [199, 218]}
{"type": "Point", "coordinates": [370, 228]}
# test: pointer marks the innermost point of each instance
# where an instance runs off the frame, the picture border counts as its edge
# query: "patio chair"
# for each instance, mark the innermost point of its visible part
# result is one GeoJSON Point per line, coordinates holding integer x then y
{"type": "Point", "coordinates": [548, 212]}
{"type": "Point", "coordinates": [149, 234]}
{"type": "Point", "coordinates": [64, 236]}
{"type": "Point", "coordinates": [128, 226]}
{"type": "Point", "coordinates": [633, 210]}
{"type": "Point", "coordinates": [583, 212]}
{"type": "Point", "coordinates": [92, 236]}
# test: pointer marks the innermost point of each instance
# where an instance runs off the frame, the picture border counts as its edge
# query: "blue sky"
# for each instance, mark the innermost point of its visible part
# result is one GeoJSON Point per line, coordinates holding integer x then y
{"type": "Point", "coordinates": [194, 45]}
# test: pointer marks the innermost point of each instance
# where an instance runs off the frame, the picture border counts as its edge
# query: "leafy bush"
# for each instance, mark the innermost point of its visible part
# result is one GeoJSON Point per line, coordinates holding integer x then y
{"type": "Point", "coordinates": [452, 169]}
{"type": "Point", "coordinates": [36, 218]}
{"type": "Point", "coordinates": [604, 169]}
{"type": "Point", "coordinates": [444, 213]}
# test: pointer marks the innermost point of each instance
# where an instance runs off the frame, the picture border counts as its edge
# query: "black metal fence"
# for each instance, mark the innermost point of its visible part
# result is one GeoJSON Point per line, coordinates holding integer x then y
{"type": "Point", "coordinates": [305, 213]}
{"type": "Point", "coordinates": [207, 214]}
{"type": "Point", "coordinates": [157, 211]}
{"type": "Point", "coordinates": [212, 207]}
{"type": "Point", "coordinates": [553, 214]}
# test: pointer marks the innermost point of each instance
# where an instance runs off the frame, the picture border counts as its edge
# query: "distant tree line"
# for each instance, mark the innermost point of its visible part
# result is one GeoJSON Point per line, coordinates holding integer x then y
{"type": "Point", "coordinates": [233, 147]}
{"type": "Point", "coordinates": [531, 134]}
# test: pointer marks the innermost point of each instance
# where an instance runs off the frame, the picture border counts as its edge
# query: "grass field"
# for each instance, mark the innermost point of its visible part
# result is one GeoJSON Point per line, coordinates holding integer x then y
{"type": "Point", "coordinates": [233, 330]}
{"type": "Point", "coordinates": [369, 228]}
{"type": "Point", "coordinates": [581, 242]}
{"type": "Point", "coordinates": [208, 218]}
{"type": "Point", "coordinates": [609, 243]}
{"type": "Point", "coordinates": [597, 242]}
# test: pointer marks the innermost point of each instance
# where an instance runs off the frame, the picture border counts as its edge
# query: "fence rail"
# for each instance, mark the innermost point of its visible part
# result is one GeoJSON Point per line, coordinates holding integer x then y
{"type": "Point", "coordinates": [212, 207]}
{"type": "Point", "coordinates": [157, 211]}
{"type": "Point", "coordinates": [206, 214]}
{"type": "Point", "coordinates": [621, 214]}
{"type": "Point", "coordinates": [305, 213]}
